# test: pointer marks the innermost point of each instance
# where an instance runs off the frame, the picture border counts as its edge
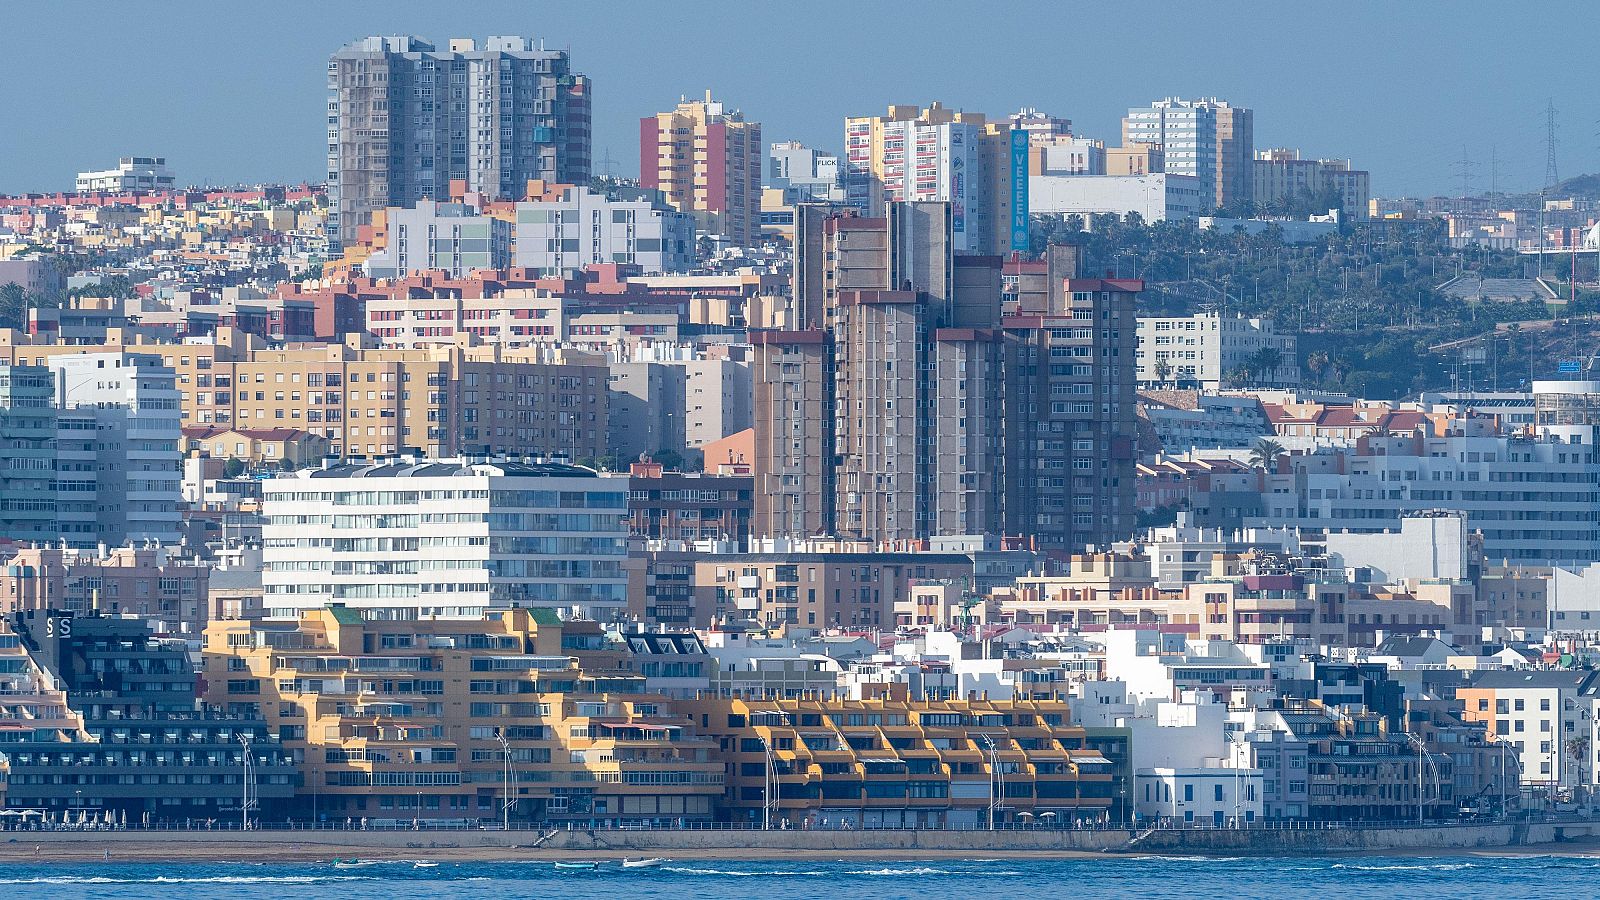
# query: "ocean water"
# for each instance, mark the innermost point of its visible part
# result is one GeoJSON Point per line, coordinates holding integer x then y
{"type": "Point", "coordinates": [1147, 876]}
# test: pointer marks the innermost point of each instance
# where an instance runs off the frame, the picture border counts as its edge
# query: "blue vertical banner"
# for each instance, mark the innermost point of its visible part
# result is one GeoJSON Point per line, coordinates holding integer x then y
{"type": "Point", "coordinates": [1019, 189]}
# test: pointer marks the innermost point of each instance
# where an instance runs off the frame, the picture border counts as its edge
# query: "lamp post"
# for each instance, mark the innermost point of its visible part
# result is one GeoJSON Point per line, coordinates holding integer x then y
{"type": "Point", "coordinates": [769, 788]}
{"type": "Point", "coordinates": [507, 801]}
{"type": "Point", "coordinates": [996, 779]}
{"type": "Point", "coordinates": [249, 798]}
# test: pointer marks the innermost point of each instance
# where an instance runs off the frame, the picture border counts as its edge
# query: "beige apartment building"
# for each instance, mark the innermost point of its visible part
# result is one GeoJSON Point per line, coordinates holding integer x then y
{"type": "Point", "coordinates": [908, 406]}
{"type": "Point", "coordinates": [706, 160]}
{"type": "Point", "coordinates": [513, 717]}
{"type": "Point", "coordinates": [374, 401]}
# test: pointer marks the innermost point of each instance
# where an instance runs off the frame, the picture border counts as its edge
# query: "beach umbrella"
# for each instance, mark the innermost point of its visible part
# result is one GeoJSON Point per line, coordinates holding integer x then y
{"type": "Point", "coordinates": [124, 817]}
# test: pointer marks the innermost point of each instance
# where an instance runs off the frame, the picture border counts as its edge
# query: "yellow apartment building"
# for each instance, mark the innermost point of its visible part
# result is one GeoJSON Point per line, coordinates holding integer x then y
{"type": "Point", "coordinates": [893, 762]}
{"type": "Point", "coordinates": [378, 401]}
{"type": "Point", "coordinates": [455, 720]}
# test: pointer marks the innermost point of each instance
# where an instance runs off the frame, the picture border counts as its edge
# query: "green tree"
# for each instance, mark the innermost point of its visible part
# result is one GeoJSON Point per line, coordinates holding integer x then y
{"type": "Point", "coordinates": [13, 305]}
{"type": "Point", "coordinates": [1264, 455]}
{"type": "Point", "coordinates": [1264, 363]}
{"type": "Point", "coordinates": [1163, 371]}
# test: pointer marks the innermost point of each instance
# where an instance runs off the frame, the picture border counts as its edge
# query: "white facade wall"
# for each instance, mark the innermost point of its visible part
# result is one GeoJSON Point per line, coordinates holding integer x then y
{"type": "Point", "coordinates": [1533, 499]}
{"type": "Point", "coordinates": [451, 237]}
{"type": "Point", "coordinates": [1155, 198]}
{"type": "Point", "coordinates": [134, 401]}
{"type": "Point", "coordinates": [559, 237]}
{"type": "Point", "coordinates": [445, 538]}
{"type": "Point", "coordinates": [1219, 796]}
{"type": "Point", "coordinates": [1425, 547]}
{"type": "Point", "coordinates": [133, 173]}
{"type": "Point", "coordinates": [1203, 349]}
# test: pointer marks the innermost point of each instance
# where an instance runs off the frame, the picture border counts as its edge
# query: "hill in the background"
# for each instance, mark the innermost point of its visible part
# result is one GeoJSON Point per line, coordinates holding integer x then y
{"type": "Point", "coordinates": [1583, 187]}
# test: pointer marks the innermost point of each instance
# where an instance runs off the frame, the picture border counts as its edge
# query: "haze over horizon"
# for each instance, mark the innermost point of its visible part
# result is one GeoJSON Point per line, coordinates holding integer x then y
{"type": "Point", "coordinates": [239, 99]}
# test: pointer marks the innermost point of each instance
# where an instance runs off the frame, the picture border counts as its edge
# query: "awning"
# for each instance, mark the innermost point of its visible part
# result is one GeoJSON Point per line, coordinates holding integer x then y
{"type": "Point", "coordinates": [1097, 758]}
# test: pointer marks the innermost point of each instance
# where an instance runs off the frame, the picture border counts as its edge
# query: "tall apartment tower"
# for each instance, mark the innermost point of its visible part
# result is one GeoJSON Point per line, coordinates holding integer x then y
{"type": "Point", "coordinates": [872, 417]}
{"type": "Point", "coordinates": [706, 160]}
{"type": "Point", "coordinates": [404, 119]}
{"type": "Point", "coordinates": [1209, 139]}
{"type": "Point", "coordinates": [929, 154]}
{"type": "Point", "coordinates": [1071, 425]}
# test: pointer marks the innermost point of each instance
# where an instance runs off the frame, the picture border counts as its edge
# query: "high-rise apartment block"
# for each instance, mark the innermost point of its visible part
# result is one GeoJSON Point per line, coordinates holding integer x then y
{"type": "Point", "coordinates": [405, 118]}
{"type": "Point", "coordinates": [906, 407]}
{"type": "Point", "coordinates": [933, 154]}
{"type": "Point", "coordinates": [1209, 139]}
{"type": "Point", "coordinates": [706, 160]}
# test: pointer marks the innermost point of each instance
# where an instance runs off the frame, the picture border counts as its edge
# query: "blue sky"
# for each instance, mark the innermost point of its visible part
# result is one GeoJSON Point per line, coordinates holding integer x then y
{"type": "Point", "coordinates": [233, 91]}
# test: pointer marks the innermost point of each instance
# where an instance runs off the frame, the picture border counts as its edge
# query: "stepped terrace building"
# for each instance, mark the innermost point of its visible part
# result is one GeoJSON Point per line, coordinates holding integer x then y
{"type": "Point", "coordinates": [892, 762]}
{"type": "Point", "coordinates": [99, 720]}
{"type": "Point", "coordinates": [415, 720]}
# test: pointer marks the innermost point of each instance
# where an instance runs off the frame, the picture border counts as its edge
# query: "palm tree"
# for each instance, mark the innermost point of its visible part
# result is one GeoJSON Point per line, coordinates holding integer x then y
{"type": "Point", "coordinates": [1163, 371]}
{"type": "Point", "coordinates": [1317, 362]}
{"type": "Point", "coordinates": [1265, 453]}
{"type": "Point", "coordinates": [1265, 362]}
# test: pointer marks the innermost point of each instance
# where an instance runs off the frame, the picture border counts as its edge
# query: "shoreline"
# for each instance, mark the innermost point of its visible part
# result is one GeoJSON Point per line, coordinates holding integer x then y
{"type": "Point", "coordinates": [197, 853]}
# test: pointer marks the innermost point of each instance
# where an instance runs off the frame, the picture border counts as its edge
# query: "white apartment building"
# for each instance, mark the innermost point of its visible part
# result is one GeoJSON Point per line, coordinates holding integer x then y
{"type": "Point", "coordinates": [133, 173]}
{"type": "Point", "coordinates": [1544, 718]}
{"type": "Point", "coordinates": [1155, 198]}
{"type": "Point", "coordinates": [1209, 139]}
{"type": "Point", "coordinates": [1533, 497]}
{"type": "Point", "coordinates": [581, 228]}
{"type": "Point", "coordinates": [1205, 350]}
{"type": "Point", "coordinates": [445, 538]}
{"type": "Point", "coordinates": [452, 237]}
{"type": "Point", "coordinates": [118, 435]}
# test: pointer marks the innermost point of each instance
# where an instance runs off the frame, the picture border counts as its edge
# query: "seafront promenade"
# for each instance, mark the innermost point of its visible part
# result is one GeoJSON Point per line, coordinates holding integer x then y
{"type": "Point", "coordinates": [224, 844]}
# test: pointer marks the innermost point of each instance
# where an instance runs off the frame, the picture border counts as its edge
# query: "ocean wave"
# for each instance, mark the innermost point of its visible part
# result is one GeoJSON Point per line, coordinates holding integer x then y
{"type": "Point", "coordinates": [1420, 867]}
{"type": "Point", "coordinates": [1189, 859]}
{"type": "Point", "coordinates": [198, 879]}
{"type": "Point", "coordinates": [685, 870]}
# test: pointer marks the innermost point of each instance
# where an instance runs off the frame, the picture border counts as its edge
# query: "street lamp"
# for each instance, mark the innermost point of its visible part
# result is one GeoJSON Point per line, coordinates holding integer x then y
{"type": "Point", "coordinates": [769, 788]}
{"type": "Point", "coordinates": [249, 798]}
{"type": "Point", "coordinates": [509, 798]}
{"type": "Point", "coordinates": [997, 779]}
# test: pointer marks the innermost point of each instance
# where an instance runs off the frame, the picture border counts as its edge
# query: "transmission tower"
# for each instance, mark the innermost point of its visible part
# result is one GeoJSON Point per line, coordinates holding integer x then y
{"type": "Point", "coordinates": [1551, 176]}
{"type": "Point", "coordinates": [1464, 171]}
{"type": "Point", "coordinates": [1494, 169]}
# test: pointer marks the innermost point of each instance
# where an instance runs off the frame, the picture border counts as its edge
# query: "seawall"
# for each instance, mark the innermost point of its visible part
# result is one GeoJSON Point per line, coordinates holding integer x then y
{"type": "Point", "coordinates": [600, 844]}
